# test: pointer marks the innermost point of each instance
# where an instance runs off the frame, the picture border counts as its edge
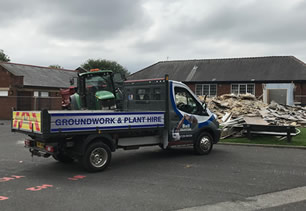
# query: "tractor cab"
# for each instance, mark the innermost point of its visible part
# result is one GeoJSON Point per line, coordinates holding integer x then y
{"type": "Point", "coordinates": [95, 91]}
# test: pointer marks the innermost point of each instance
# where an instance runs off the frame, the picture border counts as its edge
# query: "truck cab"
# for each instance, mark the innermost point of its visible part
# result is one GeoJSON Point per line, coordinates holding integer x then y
{"type": "Point", "coordinates": [186, 118]}
{"type": "Point", "coordinates": [191, 120]}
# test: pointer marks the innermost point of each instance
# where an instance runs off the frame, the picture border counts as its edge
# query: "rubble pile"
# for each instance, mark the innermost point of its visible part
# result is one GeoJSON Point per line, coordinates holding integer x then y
{"type": "Point", "coordinates": [284, 115]}
{"type": "Point", "coordinates": [231, 109]}
{"type": "Point", "coordinates": [236, 105]}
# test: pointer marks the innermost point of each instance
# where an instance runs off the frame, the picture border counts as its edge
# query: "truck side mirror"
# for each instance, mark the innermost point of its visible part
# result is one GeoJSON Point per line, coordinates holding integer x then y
{"type": "Point", "coordinates": [204, 105]}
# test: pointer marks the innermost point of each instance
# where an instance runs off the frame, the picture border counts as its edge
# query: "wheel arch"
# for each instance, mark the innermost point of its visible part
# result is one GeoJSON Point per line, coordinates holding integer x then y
{"type": "Point", "coordinates": [105, 138]}
{"type": "Point", "coordinates": [207, 130]}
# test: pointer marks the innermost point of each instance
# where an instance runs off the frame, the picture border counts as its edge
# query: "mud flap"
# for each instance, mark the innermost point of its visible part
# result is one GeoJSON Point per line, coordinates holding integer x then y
{"type": "Point", "coordinates": [165, 138]}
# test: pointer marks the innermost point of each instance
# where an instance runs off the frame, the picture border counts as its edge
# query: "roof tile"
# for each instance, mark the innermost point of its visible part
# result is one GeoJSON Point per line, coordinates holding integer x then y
{"type": "Point", "coordinates": [274, 68]}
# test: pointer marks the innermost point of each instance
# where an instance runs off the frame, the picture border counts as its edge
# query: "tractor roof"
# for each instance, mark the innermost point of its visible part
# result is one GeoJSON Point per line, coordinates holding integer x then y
{"type": "Point", "coordinates": [96, 72]}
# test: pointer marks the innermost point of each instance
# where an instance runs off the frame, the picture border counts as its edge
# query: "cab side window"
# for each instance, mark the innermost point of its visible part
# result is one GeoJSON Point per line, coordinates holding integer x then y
{"type": "Point", "coordinates": [143, 94]}
{"type": "Point", "coordinates": [185, 101]}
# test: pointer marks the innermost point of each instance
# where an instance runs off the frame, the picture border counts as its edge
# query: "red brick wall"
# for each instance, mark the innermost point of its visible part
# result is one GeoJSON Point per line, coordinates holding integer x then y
{"type": "Point", "coordinates": [6, 104]}
{"type": "Point", "coordinates": [50, 103]}
{"type": "Point", "coordinates": [16, 81]}
{"type": "Point", "coordinates": [191, 86]}
{"type": "Point", "coordinates": [300, 93]}
{"type": "Point", "coordinates": [4, 78]}
{"type": "Point", "coordinates": [53, 102]}
{"type": "Point", "coordinates": [258, 90]}
{"type": "Point", "coordinates": [56, 100]}
{"type": "Point", "coordinates": [223, 89]}
{"type": "Point", "coordinates": [15, 84]}
{"type": "Point", "coordinates": [9, 80]}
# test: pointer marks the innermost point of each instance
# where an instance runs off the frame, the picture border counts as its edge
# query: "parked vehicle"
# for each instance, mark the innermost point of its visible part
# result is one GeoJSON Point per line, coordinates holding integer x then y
{"type": "Point", "coordinates": [105, 118]}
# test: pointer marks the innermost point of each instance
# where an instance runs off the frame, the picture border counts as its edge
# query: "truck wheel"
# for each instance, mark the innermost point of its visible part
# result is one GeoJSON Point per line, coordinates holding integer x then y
{"type": "Point", "coordinates": [97, 157]}
{"type": "Point", "coordinates": [203, 144]}
{"type": "Point", "coordinates": [62, 158]}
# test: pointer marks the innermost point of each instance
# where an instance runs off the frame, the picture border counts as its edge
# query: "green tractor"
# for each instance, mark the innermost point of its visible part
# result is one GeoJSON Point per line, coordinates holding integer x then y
{"type": "Point", "coordinates": [97, 90]}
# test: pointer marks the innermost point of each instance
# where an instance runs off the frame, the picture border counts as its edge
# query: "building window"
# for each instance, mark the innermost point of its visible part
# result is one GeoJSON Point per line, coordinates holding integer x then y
{"type": "Point", "coordinates": [41, 94]}
{"type": "Point", "coordinates": [44, 94]}
{"type": "Point", "coordinates": [206, 89]}
{"type": "Point", "coordinates": [3, 93]}
{"type": "Point", "coordinates": [243, 89]}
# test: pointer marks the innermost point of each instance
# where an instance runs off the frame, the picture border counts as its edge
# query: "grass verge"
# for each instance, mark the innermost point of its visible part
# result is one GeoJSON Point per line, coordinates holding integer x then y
{"type": "Point", "coordinates": [299, 140]}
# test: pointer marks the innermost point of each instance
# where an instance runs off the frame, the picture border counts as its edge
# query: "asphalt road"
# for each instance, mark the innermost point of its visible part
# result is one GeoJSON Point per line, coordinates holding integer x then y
{"type": "Point", "coordinates": [152, 179]}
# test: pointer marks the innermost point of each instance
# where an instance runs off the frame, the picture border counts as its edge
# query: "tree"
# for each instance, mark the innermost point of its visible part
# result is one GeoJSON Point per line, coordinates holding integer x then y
{"type": "Point", "coordinates": [4, 57]}
{"type": "Point", "coordinates": [103, 64]}
{"type": "Point", "coordinates": [56, 66]}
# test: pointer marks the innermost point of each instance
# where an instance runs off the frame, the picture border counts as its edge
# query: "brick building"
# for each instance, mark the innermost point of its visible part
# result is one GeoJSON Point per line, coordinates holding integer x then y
{"type": "Point", "coordinates": [28, 87]}
{"type": "Point", "coordinates": [278, 78]}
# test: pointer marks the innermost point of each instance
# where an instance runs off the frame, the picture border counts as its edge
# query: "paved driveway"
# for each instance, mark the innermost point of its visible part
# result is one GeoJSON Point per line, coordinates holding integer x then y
{"type": "Point", "coordinates": [153, 179]}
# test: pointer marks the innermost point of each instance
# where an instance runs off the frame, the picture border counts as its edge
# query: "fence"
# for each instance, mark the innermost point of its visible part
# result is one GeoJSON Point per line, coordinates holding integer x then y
{"type": "Point", "coordinates": [27, 103]}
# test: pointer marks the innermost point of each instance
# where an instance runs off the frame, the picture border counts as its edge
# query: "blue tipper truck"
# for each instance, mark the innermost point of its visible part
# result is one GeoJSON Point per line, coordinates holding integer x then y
{"type": "Point", "coordinates": [155, 112]}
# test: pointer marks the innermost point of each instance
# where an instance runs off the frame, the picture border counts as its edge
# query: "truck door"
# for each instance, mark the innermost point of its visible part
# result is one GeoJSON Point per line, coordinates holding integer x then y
{"type": "Point", "coordinates": [187, 115]}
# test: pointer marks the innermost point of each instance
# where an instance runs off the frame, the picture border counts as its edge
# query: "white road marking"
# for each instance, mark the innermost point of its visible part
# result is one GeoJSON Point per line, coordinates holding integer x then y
{"type": "Point", "coordinates": [257, 202]}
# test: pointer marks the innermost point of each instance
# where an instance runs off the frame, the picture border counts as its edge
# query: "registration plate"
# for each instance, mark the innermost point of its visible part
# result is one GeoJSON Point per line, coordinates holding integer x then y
{"type": "Point", "coordinates": [40, 145]}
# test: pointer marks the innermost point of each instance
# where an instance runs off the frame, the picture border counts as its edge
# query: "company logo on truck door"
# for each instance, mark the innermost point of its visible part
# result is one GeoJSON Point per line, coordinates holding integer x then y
{"type": "Point", "coordinates": [90, 121]}
{"type": "Point", "coordinates": [27, 121]}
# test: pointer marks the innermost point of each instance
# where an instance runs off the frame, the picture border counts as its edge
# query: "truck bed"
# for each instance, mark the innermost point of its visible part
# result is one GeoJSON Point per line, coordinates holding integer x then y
{"type": "Point", "coordinates": [54, 122]}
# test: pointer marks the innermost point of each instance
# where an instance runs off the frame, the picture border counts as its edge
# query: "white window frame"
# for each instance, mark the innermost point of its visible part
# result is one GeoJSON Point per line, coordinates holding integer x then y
{"type": "Point", "coordinates": [44, 94]}
{"type": "Point", "coordinates": [36, 93]}
{"type": "Point", "coordinates": [246, 87]}
{"type": "Point", "coordinates": [3, 93]}
{"type": "Point", "coordinates": [41, 94]}
{"type": "Point", "coordinates": [209, 89]}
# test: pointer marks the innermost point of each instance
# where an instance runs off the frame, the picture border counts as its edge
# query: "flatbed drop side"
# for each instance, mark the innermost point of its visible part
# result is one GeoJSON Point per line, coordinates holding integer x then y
{"type": "Point", "coordinates": [155, 112]}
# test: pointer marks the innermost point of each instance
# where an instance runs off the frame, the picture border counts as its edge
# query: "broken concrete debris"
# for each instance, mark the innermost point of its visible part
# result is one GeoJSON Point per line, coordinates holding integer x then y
{"type": "Point", "coordinates": [233, 109]}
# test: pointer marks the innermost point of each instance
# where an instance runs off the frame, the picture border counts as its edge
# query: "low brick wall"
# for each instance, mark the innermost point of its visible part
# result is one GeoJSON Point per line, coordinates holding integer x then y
{"type": "Point", "coordinates": [6, 104]}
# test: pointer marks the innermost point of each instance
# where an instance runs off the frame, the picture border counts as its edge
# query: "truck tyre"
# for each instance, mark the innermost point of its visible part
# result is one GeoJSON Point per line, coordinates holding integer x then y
{"type": "Point", "coordinates": [97, 157]}
{"type": "Point", "coordinates": [62, 158]}
{"type": "Point", "coordinates": [204, 144]}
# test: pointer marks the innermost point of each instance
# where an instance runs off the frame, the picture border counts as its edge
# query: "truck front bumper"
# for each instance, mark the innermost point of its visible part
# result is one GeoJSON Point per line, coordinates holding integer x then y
{"type": "Point", "coordinates": [217, 135]}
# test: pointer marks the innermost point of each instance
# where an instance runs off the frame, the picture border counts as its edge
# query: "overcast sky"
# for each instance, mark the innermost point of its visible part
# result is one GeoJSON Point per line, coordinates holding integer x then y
{"type": "Point", "coordinates": [138, 33]}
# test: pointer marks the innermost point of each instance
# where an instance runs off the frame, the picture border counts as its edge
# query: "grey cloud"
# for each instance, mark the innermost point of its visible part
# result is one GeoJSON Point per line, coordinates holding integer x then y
{"type": "Point", "coordinates": [77, 19]}
{"type": "Point", "coordinates": [12, 11]}
{"type": "Point", "coordinates": [209, 29]}
{"type": "Point", "coordinates": [261, 22]}
{"type": "Point", "coordinates": [264, 23]}
{"type": "Point", "coordinates": [94, 19]}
